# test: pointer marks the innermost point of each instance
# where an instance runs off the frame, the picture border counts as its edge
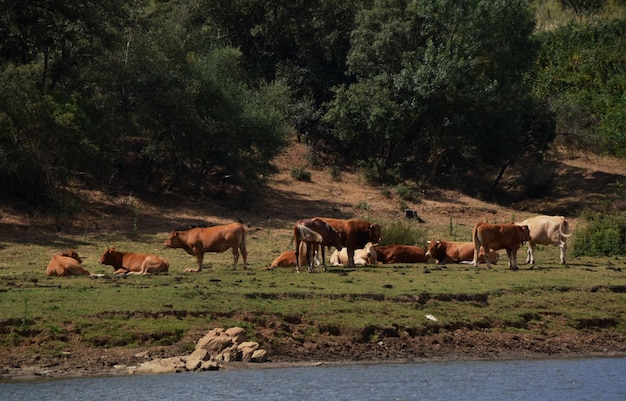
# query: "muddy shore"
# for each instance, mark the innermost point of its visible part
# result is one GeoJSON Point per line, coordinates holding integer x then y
{"type": "Point", "coordinates": [83, 361]}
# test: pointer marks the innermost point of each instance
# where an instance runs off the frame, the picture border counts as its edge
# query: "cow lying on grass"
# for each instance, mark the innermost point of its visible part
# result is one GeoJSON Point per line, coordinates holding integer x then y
{"type": "Point", "coordinates": [363, 256]}
{"type": "Point", "coordinates": [66, 264]}
{"type": "Point", "coordinates": [288, 258]}
{"type": "Point", "coordinates": [126, 263]}
{"type": "Point", "coordinates": [401, 254]}
{"type": "Point", "coordinates": [457, 252]}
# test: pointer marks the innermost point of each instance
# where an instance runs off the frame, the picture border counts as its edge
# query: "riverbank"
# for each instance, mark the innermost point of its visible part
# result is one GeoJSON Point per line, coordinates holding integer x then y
{"type": "Point", "coordinates": [458, 345]}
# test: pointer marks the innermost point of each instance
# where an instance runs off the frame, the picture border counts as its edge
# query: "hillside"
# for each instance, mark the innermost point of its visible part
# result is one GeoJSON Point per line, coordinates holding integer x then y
{"type": "Point", "coordinates": [581, 182]}
{"type": "Point", "coordinates": [27, 240]}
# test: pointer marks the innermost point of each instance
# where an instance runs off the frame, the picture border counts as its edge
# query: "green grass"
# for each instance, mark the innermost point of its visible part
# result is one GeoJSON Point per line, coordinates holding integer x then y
{"type": "Point", "coordinates": [160, 310]}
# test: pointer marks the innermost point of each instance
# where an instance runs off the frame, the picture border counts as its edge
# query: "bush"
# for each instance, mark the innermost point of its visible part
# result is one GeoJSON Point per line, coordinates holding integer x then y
{"type": "Point", "coordinates": [601, 236]}
{"type": "Point", "coordinates": [408, 193]}
{"type": "Point", "coordinates": [404, 232]}
{"type": "Point", "coordinates": [301, 174]}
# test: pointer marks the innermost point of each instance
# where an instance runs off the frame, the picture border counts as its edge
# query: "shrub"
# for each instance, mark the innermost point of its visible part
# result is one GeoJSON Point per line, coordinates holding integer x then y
{"type": "Point", "coordinates": [408, 193]}
{"type": "Point", "coordinates": [404, 232]}
{"type": "Point", "coordinates": [335, 173]}
{"type": "Point", "coordinates": [301, 174]}
{"type": "Point", "coordinates": [601, 236]}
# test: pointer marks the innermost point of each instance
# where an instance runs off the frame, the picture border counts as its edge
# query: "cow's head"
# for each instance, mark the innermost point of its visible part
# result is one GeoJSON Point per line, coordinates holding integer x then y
{"type": "Point", "coordinates": [174, 240]}
{"type": "Point", "coordinates": [107, 256]}
{"type": "Point", "coordinates": [72, 254]}
{"type": "Point", "coordinates": [433, 249]}
{"type": "Point", "coordinates": [375, 233]}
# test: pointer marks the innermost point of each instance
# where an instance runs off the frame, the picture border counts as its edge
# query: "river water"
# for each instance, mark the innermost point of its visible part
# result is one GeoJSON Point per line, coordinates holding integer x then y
{"type": "Point", "coordinates": [594, 379]}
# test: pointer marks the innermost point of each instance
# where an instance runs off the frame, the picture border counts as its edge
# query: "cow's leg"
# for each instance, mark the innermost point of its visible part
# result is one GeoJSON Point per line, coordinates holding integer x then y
{"type": "Point", "coordinates": [244, 254]}
{"type": "Point", "coordinates": [144, 269]}
{"type": "Point", "coordinates": [297, 241]}
{"type": "Point", "coordinates": [511, 256]}
{"type": "Point", "coordinates": [530, 253]}
{"type": "Point", "coordinates": [235, 257]}
{"type": "Point", "coordinates": [476, 253]}
{"type": "Point", "coordinates": [310, 256]}
{"type": "Point", "coordinates": [350, 257]}
{"type": "Point", "coordinates": [563, 248]}
{"type": "Point", "coordinates": [199, 260]}
{"type": "Point", "coordinates": [323, 257]}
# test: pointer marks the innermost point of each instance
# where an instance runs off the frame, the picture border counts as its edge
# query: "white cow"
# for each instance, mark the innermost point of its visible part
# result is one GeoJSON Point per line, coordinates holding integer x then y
{"type": "Point", "coordinates": [364, 256]}
{"type": "Point", "coordinates": [546, 230]}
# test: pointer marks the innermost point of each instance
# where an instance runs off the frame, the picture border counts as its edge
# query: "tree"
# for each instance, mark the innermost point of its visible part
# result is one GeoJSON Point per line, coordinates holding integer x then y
{"type": "Point", "coordinates": [124, 93]}
{"type": "Point", "coordinates": [580, 73]}
{"type": "Point", "coordinates": [454, 71]}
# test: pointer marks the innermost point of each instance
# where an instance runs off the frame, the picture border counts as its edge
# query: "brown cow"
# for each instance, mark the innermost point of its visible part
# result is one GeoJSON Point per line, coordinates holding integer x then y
{"type": "Point", "coordinates": [401, 254]}
{"type": "Point", "coordinates": [363, 256]}
{"type": "Point", "coordinates": [546, 230]}
{"type": "Point", "coordinates": [457, 252]}
{"type": "Point", "coordinates": [66, 264]}
{"type": "Point", "coordinates": [133, 263]}
{"type": "Point", "coordinates": [499, 236]}
{"type": "Point", "coordinates": [355, 234]}
{"type": "Point", "coordinates": [314, 232]}
{"type": "Point", "coordinates": [199, 240]}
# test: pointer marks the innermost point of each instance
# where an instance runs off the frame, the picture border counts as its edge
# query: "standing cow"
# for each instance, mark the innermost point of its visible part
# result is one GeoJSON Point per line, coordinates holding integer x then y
{"type": "Point", "coordinates": [355, 234]}
{"type": "Point", "coordinates": [314, 232]}
{"type": "Point", "coordinates": [499, 236]}
{"type": "Point", "coordinates": [546, 230]}
{"type": "Point", "coordinates": [134, 263]}
{"type": "Point", "coordinates": [199, 240]}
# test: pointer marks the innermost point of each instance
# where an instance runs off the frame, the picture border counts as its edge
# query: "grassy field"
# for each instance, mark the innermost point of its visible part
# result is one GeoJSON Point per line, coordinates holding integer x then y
{"type": "Point", "coordinates": [364, 304]}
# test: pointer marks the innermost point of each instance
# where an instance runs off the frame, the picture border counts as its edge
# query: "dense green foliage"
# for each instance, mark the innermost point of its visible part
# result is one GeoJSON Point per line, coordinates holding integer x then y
{"type": "Point", "coordinates": [601, 235]}
{"type": "Point", "coordinates": [581, 73]}
{"type": "Point", "coordinates": [437, 90]}
{"type": "Point", "coordinates": [200, 96]}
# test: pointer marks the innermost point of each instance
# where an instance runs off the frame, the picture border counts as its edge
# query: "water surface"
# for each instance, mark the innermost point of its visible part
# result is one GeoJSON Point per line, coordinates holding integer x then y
{"type": "Point", "coordinates": [594, 379]}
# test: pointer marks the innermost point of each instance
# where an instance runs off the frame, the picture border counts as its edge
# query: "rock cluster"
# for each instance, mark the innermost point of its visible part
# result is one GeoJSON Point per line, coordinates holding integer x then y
{"type": "Point", "coordinates": [218, 345]}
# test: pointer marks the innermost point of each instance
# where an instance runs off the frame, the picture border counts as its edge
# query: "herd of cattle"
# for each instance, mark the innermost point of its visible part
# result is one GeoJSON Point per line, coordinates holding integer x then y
{"type": "Point", "coordinates": [355, 242]}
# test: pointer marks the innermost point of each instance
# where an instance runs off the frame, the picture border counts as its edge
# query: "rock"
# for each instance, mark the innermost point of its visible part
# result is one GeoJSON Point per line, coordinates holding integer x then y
{"type": "Point", "coordinates": [218, 344]}
{"type": "Point", "coordinates": [143, 355]}
{"type": "Point", "coordinates": [238, 334]}
{"type": "Point", "coordinates": [165, 365]}
{"type": "Point", "coordinates": [195, 360]}
{"type": "Point", "coordinates": [229, 354]}
{"type": "Point", "coordinates": [259, 355]}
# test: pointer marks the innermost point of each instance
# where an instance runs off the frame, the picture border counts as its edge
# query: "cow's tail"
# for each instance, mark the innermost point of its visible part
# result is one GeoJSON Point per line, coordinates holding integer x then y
{"type": "Point", "coordinates": [475, 238]}
{"type": "Point", "coordinates": [564, 228]}
{"type": "Point", "coordinates": [309, 235]}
